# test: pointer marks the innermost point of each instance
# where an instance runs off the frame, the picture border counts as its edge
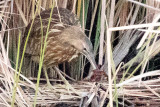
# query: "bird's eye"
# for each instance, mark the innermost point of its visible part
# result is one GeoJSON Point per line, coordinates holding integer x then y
{"type": "Point", "coordinates": [85, 49]}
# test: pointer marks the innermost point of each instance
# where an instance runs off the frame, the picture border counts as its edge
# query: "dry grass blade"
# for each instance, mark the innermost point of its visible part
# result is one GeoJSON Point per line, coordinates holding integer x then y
{"type": "Point", "coordinates": [152, 73]}
{"type": "Point", "coordinates": [147, 6]}
{"type": "Point", "coordinates": [21, 13]}
{"type": "Point", "coordinates": [93, 18]}
{"type": "Point", "coordinates": [134, 26]}
{"type": "Point", "coordinates": [147, 33]}
{"type": "Point", "coordinates": [130, 91]}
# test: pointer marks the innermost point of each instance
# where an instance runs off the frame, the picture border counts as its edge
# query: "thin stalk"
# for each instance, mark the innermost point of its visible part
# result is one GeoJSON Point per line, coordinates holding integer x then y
{"type": "Point", "coordinates": [15, 76]}
{"type": "Point", "coordinates": [79, 9]}
{"type": "Point", "coordinates": [111, 22]}
{"type": "Point", "coordinates": [102, 33]}
{"type": "Point", "coordinates": [96, 43]}
{"type": "Point", "coordinates": [42, 57]}
{"type": "Point", "coordinates": [109, 66]}
{"type": "Point", "coordinates": [33, 4]}
{"type": "Point", "coordinates": [21, 62]}
{"type": "Point", "coordinates": [93, 17]}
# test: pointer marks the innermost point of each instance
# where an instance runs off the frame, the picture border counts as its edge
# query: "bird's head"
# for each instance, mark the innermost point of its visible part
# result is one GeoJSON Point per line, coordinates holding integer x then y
{"type": "Point", "coordinates": [75, 37]}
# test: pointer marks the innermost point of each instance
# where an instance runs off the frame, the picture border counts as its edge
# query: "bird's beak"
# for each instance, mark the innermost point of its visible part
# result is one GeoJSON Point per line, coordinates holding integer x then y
{"type": "Point", "coordinates": [90, 57]}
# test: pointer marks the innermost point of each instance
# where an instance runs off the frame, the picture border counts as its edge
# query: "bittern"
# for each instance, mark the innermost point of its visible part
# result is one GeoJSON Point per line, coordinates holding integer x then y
{"type": "Point", "coordinates": [65, 41]}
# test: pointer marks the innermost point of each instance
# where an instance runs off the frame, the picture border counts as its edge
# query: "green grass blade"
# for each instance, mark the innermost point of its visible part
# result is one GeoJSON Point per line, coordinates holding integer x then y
{"type": "Point", "coordinates": [15, 75]}
{"type": "Point", "coordinates": [42, 57]}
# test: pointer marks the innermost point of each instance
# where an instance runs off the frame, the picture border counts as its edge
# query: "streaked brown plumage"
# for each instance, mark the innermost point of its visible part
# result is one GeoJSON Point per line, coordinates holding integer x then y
{"type": "Point", "coordinates": [65, 40]}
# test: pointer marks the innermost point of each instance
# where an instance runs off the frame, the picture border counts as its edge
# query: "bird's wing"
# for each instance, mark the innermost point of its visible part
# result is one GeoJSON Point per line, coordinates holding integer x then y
{"type": "Point", "coordinates": [61, 19]}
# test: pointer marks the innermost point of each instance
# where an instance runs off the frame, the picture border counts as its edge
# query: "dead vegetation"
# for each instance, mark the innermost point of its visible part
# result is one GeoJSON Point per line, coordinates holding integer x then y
{"type": "Point", "coordinates": [114, 26]}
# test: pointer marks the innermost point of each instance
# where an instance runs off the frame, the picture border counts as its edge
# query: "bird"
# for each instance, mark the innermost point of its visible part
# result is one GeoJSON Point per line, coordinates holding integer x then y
{"type": "Point", "coordinates": [66, 39]}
